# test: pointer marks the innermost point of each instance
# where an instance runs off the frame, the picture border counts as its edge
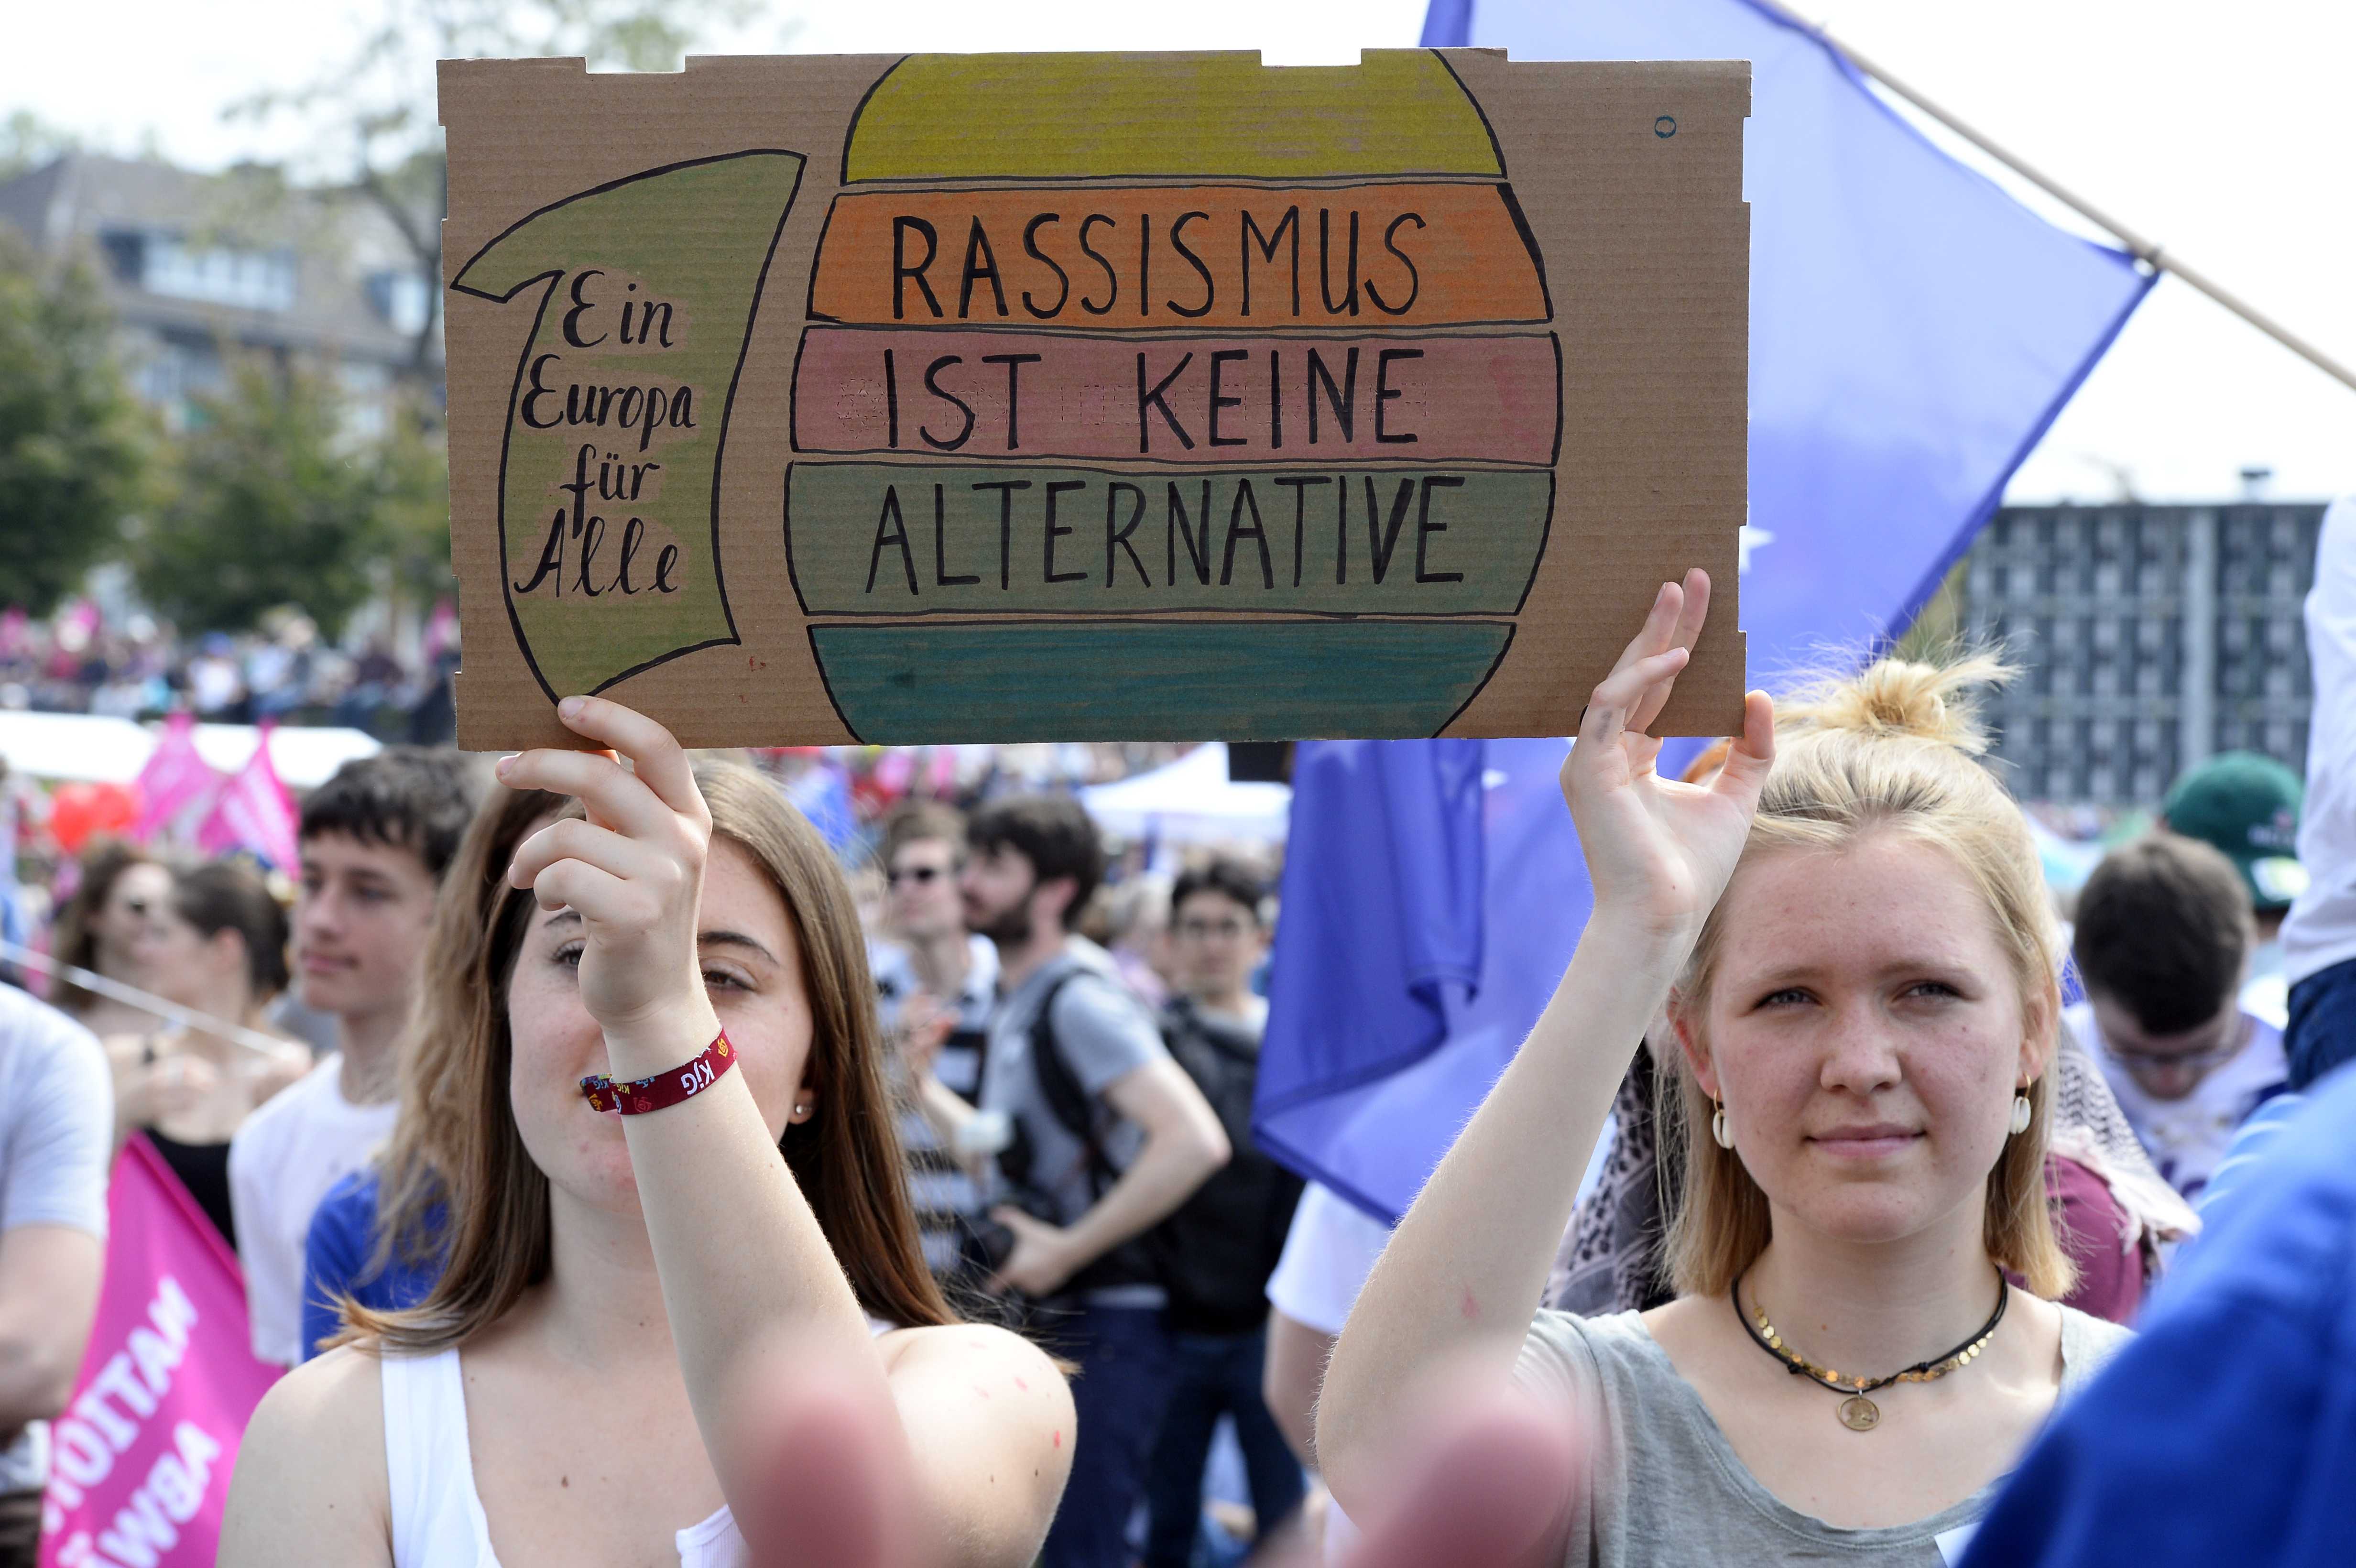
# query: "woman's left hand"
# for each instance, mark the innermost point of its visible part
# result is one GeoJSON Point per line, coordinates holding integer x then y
{"type": "Point", "coordinates": [633, 870]}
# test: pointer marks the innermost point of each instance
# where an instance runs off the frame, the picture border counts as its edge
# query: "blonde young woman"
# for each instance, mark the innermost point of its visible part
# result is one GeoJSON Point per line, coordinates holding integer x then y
{"type": "Point", "coordinates": [633, 1292]}
{"type": "Point", "coordinates": [1848, 927]}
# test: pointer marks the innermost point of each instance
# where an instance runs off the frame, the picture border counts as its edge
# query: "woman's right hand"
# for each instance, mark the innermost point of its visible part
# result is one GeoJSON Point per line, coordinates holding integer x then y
{"type": "Point", "coordinates": [164, 1089]}
{"type": "Point", "coordinates": [924, 1027]}
{"type": "Point", "coordinates": [1658, 852]}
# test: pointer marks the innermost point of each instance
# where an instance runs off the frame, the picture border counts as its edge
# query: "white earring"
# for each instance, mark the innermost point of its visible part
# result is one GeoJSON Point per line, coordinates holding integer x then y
{"type": "Point", "coordinates": [804, 1111]}
{"type": "Point", "coordinates": [1718, 1128]}
{"type": "Point", "coordinates": [2021, 1112]}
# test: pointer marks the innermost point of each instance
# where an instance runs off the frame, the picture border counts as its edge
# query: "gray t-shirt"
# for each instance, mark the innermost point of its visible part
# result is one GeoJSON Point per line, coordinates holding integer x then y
{"type": "Point", "coordinates": [1667, 1487]}
{"type": "Point", "coordinates": [1104, 1034]}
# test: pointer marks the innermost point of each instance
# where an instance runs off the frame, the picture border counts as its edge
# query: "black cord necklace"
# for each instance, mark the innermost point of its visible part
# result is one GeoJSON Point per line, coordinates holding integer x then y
{"type": "Point", "coordinates": [1858, 1413]}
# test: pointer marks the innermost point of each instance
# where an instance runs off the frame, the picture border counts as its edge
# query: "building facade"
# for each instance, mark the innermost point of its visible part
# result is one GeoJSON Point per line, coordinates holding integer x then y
{"type": "Point", "coordinates": [198, 268]}
{"type": "Point", "coordinates": [2150, 638]}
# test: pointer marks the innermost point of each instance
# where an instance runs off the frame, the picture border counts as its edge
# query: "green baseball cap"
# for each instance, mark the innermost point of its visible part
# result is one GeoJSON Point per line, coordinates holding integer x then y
{"type": "Point", "coordinates": [2247, 805]}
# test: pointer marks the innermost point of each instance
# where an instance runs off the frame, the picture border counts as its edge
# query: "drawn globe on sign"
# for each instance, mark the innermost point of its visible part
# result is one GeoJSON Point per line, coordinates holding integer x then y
{"type": "Point", "coordinates": [1241, 369]}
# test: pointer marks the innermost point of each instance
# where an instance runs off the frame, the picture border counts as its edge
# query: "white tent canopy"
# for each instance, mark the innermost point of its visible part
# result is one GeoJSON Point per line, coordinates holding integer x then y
{"type": "Point", "coordinates": [1192, 801]}
{"type": "Point", "coordinates": [87, 748]}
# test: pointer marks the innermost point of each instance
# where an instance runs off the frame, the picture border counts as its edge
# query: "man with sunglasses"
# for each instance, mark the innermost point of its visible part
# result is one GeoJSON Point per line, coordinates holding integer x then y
{"type": "Point", "coordinates": [2163, 939]}
{"type": "Point", "coordinates": [934, 991]}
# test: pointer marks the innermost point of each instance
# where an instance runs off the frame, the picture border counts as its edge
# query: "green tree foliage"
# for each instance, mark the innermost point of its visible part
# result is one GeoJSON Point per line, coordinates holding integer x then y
{"type": "Point", "coordinates": [272, 501]}
{"type": "Point", "coordinates": [413, 476]}
{"type": "Point", "coordinates": [72, 447]}
{"type": "Point", "coordinates": [27, 141]}
{"type": "Point", "coordinates": [378, 135]}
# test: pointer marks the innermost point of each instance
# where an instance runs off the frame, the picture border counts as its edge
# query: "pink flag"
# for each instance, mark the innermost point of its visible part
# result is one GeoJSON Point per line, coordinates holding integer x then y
{"type": "Point", "coordinates": [254, 811]}
{"type": "Point", "coordinates": [175, 779]}
{"type": "Point", "coordinates": [140, 1461]}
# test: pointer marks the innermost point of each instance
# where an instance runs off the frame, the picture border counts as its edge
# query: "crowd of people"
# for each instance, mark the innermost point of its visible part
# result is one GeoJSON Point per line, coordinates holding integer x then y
{"type": "Point", "coordinates": [616, 1183]}
{"type": "Point", "coordinates": [81, 660]}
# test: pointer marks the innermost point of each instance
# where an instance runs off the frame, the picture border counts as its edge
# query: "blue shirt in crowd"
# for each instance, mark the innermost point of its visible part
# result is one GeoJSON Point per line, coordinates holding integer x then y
{"type": "Point", "coordinates": [336, 1255]}
{"type": "Point", "coordinates": [2227, 1432]}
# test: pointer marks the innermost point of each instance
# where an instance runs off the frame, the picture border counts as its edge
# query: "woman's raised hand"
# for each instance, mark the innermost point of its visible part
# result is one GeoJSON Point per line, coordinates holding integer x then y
{"type": "Point", "coordinates": [633, 870]}
{"type": "Point", "coordinates": [1659, 852]}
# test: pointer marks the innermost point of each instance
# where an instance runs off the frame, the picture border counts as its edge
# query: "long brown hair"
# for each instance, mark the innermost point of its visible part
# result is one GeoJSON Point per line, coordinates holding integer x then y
{"type": "Point", "coordinates": [457, 1141]}
{"type": "Point", "coordinates": [1894, 748]}
{"type": "Point", "coordinates": [75, 936]}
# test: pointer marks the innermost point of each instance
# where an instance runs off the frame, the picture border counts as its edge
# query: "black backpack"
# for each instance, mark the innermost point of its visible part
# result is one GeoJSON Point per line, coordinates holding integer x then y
{"type": "Point", "coordinates": [1087, 1118]}
{"type": "Point", "coordinates": [1213, 1255]}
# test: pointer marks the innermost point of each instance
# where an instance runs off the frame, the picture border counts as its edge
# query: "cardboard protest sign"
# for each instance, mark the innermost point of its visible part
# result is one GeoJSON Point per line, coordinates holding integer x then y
{"type": "Point", "coordinates": [1061, 397]}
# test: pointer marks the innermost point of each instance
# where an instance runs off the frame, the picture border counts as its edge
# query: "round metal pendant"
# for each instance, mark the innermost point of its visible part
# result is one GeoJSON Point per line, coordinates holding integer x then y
{"type": "Point", "coordinates": [1859, 1414]}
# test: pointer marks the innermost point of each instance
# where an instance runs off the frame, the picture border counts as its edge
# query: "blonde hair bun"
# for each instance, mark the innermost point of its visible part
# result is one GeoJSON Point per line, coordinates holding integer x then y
{"type": "Point", "coordinates": [1900, 700]}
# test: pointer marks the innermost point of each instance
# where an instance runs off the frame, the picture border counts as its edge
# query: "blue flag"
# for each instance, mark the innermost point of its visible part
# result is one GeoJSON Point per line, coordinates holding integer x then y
{"type": "Point", "coordinates": [1914, 328]}
{"type": "Point", "coordinates": [1913, 331]}
{"type": "Point", "coordinates": [1433, 890]}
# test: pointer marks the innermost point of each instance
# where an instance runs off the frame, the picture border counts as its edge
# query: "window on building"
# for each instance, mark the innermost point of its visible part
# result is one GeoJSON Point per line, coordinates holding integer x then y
{"type": "Point", "coordinates": [165, 264]}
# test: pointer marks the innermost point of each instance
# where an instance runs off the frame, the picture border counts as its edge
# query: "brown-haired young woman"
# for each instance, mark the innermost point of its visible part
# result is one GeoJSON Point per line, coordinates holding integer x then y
{"type": "Point", "coordinates": [629, 1295]}
{"type": "Point", "coordinates": [1850, 931]}
{"type": "Point", "coordinates": [122, 888]}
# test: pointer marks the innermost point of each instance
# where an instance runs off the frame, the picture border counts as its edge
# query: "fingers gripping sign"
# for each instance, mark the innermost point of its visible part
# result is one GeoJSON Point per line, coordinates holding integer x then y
{"type": "Point", "coordinates": [633, 869]}
{"type": "Point", "coordinates": [1660, 852]}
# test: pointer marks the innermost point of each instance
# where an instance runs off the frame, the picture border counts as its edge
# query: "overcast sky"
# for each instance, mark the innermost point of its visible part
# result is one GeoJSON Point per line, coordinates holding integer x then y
{"type": "Point", "coordinates": [2222, 131]}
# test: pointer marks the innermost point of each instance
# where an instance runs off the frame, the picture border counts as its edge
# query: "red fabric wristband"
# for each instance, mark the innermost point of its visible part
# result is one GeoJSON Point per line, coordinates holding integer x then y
{"type": "Point", "coordinates": [643, 1094]}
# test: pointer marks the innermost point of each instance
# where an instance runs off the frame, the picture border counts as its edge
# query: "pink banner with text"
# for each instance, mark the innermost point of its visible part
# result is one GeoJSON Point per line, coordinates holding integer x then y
{"type": "Point", "coordinates": [141, 1458]}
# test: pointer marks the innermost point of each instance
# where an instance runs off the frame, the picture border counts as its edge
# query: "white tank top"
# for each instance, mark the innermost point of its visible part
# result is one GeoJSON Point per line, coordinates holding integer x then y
{"type": "Point", "coordinates": [437, 1516]}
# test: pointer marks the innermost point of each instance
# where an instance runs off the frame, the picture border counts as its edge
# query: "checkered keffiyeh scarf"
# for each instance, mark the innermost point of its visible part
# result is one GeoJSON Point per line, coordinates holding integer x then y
{"type": "Point", "coordinates": [1612, 1258]}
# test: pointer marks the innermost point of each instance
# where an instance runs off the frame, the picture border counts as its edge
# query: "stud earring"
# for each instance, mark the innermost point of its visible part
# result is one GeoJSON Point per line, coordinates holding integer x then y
{"type": "Point", "coordinates": [801, 1110]}
{"type": "Point", "coordinates": [1718, 1127]}
{"type": "Point", "coordinates": [2021, 1112]}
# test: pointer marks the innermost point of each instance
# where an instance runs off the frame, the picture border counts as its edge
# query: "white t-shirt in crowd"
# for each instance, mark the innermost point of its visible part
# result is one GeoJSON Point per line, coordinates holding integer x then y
{"type": "Point", "coordinates": [2186, 1138]}
{"type": "Point", "coordinates": [57, 1126]}
{"type": "Point", "coordinates": [285, 1156]}
{"type": "Point", "coordinates": [1328, 1254]}
{"type": "Point", "coordinates": [2322, 928]}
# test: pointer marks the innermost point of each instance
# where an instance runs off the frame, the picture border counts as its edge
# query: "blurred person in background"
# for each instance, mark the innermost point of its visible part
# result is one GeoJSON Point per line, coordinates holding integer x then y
{"type": "Point", "coordinates": [374, 840]}
{"type": "Point", "coordinates": [217, 946]}
{"type": "Point", "coordinates": [934, 990]}
{"type": "Point", "coordinates": [1108, 1135]}
{"type": "Point", "coordinates": [1217, 1250]}
{"type": "Point", "coordinates": [215, 687]}
{"type": "Point", "coordinates": [1140, 939]}
{"type": "Point", "coordinates": [122, 888]}
{"type": "Point", "coordinates": [381, 1236]}
{"type": "Point", "coordinates": [2247, 807]}
{"type": "Point", "coordinates": [56, 1122]}
{"type": "Point", "coordinates": [2162, 941]}
{"type": "Point", "coordinates": [2223, 1433]}
{"type": "Point", "coordinates": [2318, 938]}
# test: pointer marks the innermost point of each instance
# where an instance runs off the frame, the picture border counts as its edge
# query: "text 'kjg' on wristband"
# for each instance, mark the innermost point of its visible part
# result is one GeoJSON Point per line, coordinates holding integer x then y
{"type": "Point", "coordinates": [643, 1094]}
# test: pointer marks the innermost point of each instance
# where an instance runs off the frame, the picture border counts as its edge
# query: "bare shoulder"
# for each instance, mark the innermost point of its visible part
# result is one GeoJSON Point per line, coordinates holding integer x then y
{"type": "Point", "coordinates": [310, 1484]}
{"type": "Point", "coordinates": [2041, 1332]}
{"type": "Point", "coordinates": [978, 1348]}
{"type": "Point", "coordinates": [991, 1425]}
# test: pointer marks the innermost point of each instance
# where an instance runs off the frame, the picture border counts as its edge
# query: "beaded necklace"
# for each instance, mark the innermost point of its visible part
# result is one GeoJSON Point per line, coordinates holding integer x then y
{"type": "Point", "coordinates": [1858, 1413]}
